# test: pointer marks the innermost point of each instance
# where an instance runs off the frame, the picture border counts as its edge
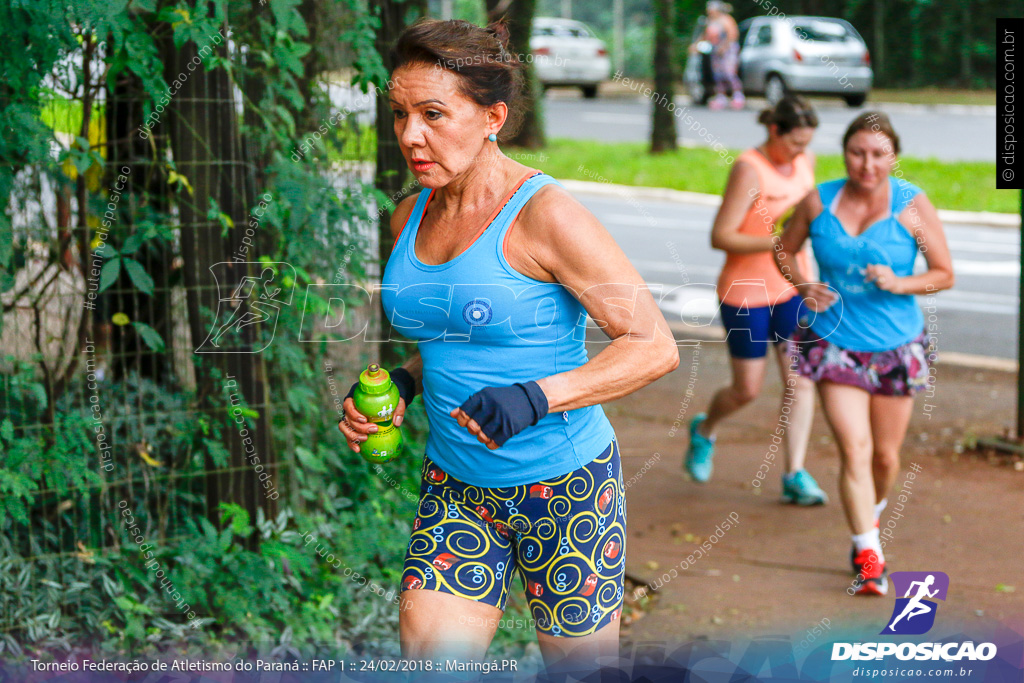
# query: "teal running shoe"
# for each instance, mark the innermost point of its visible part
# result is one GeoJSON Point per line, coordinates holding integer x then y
{"type": "Point", "coordinates": [699, 454]}
{"type": "Point", "coordinates": [800, 488]}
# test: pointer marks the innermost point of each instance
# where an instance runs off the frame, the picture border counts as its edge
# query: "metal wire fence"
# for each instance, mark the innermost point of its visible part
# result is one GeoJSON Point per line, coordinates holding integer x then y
{"type": "Point", "coordinates": [146, 336]}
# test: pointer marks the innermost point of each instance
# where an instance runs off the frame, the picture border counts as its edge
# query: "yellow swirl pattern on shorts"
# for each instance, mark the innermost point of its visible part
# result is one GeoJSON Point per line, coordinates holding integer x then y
{"type": "Point", "coordinates": [565, 536]}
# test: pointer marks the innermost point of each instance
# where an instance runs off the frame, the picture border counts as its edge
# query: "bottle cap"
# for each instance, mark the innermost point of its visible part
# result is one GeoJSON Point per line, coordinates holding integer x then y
{"type": "Point", "coordinates": [374, 380]}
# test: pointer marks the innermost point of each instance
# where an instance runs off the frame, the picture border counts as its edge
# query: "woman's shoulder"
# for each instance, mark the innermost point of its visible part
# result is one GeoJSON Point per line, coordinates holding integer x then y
{"type": "Point", "coordinates": [552, 213]}
{"type": "Point", "coordinates": [827, 190]}
{"type": "Point", "coordinates": [751, 155]}
{"type": "Point", "coordinates": [903, 192]}
{"type": "Point", "coordinates": [748, 167]}
{"type": "Point", "coordinates": [550, 222]}
{"type": "Point", "coordinates": [813, 203]}
{"type": "Point", "coordinates": [550, 199]}
{"type": "Point", "coordinates": [400, 216]}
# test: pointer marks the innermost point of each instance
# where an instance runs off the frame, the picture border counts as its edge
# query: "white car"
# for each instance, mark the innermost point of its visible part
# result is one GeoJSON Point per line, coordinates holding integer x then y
{"type": "Point", "coordinates": [566, 52]}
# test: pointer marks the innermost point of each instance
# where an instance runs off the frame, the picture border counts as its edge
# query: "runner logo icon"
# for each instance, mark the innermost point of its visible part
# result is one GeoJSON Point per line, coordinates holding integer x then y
{"type": "Point", "coordinates": [247, 312]}
{"type": "Point", "coordinates": [914, 613]}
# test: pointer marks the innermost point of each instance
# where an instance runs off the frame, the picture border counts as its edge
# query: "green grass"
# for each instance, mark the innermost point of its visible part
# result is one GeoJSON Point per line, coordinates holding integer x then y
{"type": "Point", "coordinates": [934, 96]}
{"type": "Point", "coordinates": [965, 186]}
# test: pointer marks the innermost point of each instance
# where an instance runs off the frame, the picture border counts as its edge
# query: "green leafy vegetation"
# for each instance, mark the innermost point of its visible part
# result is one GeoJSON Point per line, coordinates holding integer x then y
{"type": "Point", "coordinates": [71, 574]}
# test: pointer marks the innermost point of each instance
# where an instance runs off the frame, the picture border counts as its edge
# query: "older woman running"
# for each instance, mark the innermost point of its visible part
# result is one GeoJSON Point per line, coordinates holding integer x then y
{"type": "Point", "coordinates": [494, 271]}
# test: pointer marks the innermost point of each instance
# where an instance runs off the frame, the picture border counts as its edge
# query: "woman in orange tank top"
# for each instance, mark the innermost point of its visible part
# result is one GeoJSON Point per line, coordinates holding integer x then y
{"type": "Point", "coordinates": [758, 307]}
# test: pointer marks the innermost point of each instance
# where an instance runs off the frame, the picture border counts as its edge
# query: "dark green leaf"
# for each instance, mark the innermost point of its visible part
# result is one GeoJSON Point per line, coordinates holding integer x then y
{"type": "Point", "coordinates": [139, 276]}
{"type": "Point", "coordinates": [132, 244]}
{"type": "Point", "coordinates": [6, 241]}
{"type": "Point", "coordinates": [150, 336]}
{"type": "Point", "coordinates": [309, 460]}
{"type": "Point", "coordinates": [82, 162]}
{"type": "Point", "coordinates": [105, 250]}
{"type": "Point", "coordinates": [111, 269]}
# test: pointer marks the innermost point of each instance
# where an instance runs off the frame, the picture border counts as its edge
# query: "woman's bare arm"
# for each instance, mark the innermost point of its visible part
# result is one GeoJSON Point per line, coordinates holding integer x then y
{"type": "Point", "coordinates": [922, 220]}
{"type": "Point", "coordinates": [787, 245]}
{"type": "Point", "coordinates": [740, 193]}
{"type": "Point", "coordinates": [568, 241]}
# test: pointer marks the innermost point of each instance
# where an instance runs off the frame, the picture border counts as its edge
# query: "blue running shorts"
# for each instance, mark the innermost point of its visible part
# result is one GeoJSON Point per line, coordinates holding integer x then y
{"type": "Point", "coordinates": [749, 330]}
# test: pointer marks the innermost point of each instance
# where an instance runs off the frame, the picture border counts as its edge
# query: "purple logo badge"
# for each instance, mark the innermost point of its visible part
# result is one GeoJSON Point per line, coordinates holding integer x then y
{"type": "Point", "coordinates": [914, 612]}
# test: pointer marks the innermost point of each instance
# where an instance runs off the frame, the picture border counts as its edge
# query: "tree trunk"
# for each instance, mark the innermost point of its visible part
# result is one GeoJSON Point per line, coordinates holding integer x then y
{"type": "Point", "coordinates": [392, 171]}
{"type": "Point", "coordinates": [878, 56]}
{"type": "Point", "coordinates": [207, 148]}
{"type": "Point", "coordinates": [619, 34]}
{"type": "Point", "coordinates": [663, 125]}
{"type": "Point", "coordinates": [966, 74]}
{"type": "Point", "coordinates": [519, 15]}
{"type": "Point", "coordinates": [917, 46]}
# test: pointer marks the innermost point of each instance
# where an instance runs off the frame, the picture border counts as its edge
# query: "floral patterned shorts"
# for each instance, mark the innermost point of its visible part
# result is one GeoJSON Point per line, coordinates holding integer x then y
{"type": "Point", "coordinates": [902, 371]}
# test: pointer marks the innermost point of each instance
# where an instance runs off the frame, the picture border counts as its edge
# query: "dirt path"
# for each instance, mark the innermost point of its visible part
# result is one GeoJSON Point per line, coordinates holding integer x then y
{"type": "Point", "coordinates": [783, 569]}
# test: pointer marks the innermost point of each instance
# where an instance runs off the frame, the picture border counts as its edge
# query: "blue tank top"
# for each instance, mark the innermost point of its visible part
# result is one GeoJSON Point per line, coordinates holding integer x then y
{"type": "Point", "coordinates": [865, 318]}
{"type": "Point", "coordinates": [481, 323]}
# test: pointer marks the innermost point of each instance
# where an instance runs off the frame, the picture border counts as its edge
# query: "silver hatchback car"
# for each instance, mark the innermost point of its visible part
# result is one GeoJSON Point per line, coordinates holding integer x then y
{"type": "Point", "coordinates": [805, 55]}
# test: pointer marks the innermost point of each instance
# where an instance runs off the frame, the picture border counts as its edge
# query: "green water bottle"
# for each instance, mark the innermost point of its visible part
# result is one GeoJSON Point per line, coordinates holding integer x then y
{"type": "Point", "coordinates": [376, 397]}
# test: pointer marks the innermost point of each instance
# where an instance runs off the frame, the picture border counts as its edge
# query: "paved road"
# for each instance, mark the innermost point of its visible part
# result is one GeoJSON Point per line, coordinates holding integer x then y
{"type": "Point", "coordinates": [965, 133]}
{"type": "Point", "coordinates": [948, 133]}
{"type": "Point", "coordinates": [668, 244]}
{"type": "Point", "coordinates": [782, 569]}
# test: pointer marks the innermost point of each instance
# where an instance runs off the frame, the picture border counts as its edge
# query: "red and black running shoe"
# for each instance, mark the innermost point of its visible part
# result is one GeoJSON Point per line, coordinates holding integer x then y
{"type": "Point", "coordinates": [872, 578]}
{"type": "Point", "coordinates": [853, 555]}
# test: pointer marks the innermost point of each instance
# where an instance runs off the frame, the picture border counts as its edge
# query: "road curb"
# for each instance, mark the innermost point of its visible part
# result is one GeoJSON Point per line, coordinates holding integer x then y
{"type": "Point", "coordinates": [970, 360]}
{"type": "Point", "coordinates": [986, 218]}
{"type": "Point", "coordinates": [662, 193]}
{"type": "Point", "coordinates": [610, 90]}
{"type": "Point", "coordinates": [716, 333]}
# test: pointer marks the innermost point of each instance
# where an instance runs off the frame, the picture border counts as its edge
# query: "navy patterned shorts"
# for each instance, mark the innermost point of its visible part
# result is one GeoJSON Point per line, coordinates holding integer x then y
{"type": "Point", "coordinates": [565, 536]}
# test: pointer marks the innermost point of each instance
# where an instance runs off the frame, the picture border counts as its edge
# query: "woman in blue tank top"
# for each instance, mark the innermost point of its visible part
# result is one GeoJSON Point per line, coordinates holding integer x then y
{"type": "Point", "coordinates": [867, 346]}
{"type": "Point", "coordinates": [494, 270]}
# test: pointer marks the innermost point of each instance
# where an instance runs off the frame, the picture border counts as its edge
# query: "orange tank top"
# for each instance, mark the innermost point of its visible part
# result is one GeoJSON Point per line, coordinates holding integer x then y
{"type": "Point", "coordinates": [753, 280]}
